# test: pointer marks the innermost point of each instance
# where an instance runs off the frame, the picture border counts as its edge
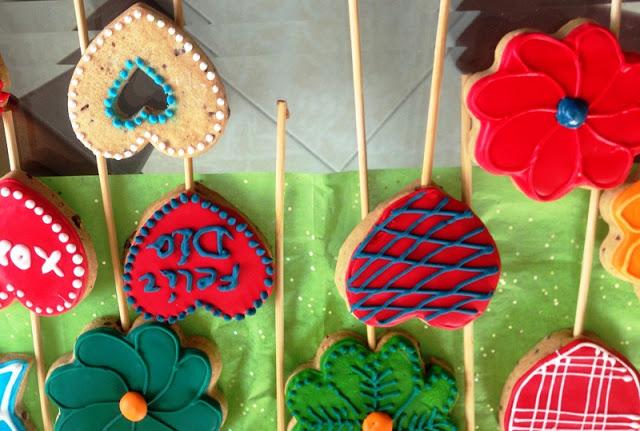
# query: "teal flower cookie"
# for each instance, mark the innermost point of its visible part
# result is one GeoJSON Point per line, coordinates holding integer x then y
{"type": "Point", "coordinates": [142, 381]}
{"type": "Point", "coordinates": [356, 389]}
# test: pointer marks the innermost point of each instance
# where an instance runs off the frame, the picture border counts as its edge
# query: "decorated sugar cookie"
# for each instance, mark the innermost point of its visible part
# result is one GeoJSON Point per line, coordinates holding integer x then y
{"type": "Point", "coordinates": [352, 388]}
{"type": "Point", "coordinates": [143, 40]}
{"type": "Point", "coordinates": [47, 261]}
{"type": "Point", "coordinates": [144, 380]}
{"type": "Point", "coordinates": [619, 253]}
{"type": "Point", "coordinates": [424, 255]}
{"type": "Point", "coordinates": [558, 112]}
{"type": "Point", "coordinates": [572, 384]}
{"type": "Point", "coordinates": [194, 249]}
{"type": "Point", "coordinates": [13, 374]}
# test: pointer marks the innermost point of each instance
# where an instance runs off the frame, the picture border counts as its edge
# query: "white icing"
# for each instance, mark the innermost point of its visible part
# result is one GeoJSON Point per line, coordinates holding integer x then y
{"type": "Point", "coordinates": [56, 227]}
{"type": "Point", "coordinates": [47, 219]}
{"type": "Point", "coordinates": [77, 259]}
{"type": "Point", "coordinates": [20, 256]}
{"type": "Point", "coordinates": [71, 248]}
{"type": "Point", "coordinates": [63, 237]}
{"type": "Point", "coordinates": [5, 246]}
{"type": "Point", "coordinates": [78, 271]}
{"type": "Point", "coordinates": [599, 370]}
{"type": "Point", "coordinates": [38, 210]}
{"type": "Point", "coordinates": [3, 296]}
{"type": "Point", "coordinates": [7, 410]}
{"type": "Point", "coordinates": [17, 195]}
{"type": "Point", "coordinates": [77, 284]}
{"type": "Point", "coordinates": [50, 261]}
{"type": "Point", "coordinates": [5, 192]}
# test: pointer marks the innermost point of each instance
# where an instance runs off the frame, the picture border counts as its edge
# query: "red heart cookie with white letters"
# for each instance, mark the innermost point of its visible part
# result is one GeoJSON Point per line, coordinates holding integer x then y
{"type": "Point", "coordinates": [46, 259]}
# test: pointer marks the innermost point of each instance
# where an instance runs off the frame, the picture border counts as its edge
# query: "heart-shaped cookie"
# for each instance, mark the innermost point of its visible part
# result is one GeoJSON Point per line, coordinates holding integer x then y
{"type": "Point", "coordinates": [47, 261]}
{"type": "Point", "coordinates": [424, 255]}
{"type": "Point", "coordinates": [145, 40]}
{"type": "Point", "coordinates": [194, 249]}
{"type": "Point", "coordinates": [572, 384]}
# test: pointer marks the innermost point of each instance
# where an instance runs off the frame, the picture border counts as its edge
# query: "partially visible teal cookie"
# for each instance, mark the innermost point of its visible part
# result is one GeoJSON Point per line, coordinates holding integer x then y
{"type": "Point", "coordinates": [357, 389]}
{"type": "Point", "coordinates": [142, 381]}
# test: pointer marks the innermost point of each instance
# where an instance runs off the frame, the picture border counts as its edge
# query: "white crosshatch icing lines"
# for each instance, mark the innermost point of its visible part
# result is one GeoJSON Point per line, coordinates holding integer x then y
{"type": "Point", "coordinates": [196, 112]}
{"type": "Point", "coordinates": [583, 387]}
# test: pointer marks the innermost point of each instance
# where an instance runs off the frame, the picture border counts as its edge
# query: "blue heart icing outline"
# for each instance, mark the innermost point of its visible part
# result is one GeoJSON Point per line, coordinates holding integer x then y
{"type": "Point", "coordinates": [123, 76]}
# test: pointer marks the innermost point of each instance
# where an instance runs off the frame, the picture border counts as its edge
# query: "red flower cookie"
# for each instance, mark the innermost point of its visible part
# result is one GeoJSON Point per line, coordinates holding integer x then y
{"type": "Point", "coordinates": [555, 113]}
{"type": "Point", "coordinates": [422, 255]}
{"type": "Point", "coordinates": [582, 386]}
{"type": "Point", "coordinates": [46, 260]}
{"type": "Point", "coordinates": [196, 250]}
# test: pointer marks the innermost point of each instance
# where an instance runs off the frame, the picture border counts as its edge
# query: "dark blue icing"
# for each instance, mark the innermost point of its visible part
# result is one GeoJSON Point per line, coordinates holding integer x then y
{"type": "Point", "coordinates": [572, 113]}
{"type": "Point", "coordinates": [112, 95]}
{"type": "Point", "coordinates": [446, 218]}
{"type": "Point", "coordinates": [204, 277]}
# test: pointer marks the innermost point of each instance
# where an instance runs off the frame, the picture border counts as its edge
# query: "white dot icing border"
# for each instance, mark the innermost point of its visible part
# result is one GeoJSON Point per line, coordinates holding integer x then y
{"type": "Point", "coordinates": [145, 138]}
{"type": "Point", "coordinates": [77, 284]}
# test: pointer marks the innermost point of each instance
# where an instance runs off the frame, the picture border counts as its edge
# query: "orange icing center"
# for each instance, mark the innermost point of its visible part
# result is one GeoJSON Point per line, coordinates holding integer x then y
{"type": "Point", "coordinates": [377, 421]}
{"type": "Point", "coordinates": [133, 406]}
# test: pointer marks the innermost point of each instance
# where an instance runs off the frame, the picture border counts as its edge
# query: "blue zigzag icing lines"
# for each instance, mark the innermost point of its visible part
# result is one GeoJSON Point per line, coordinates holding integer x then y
{"type": "Point", "coordinates": [12, 374]}
{"type": "Point", "coordinates": [432, 295]}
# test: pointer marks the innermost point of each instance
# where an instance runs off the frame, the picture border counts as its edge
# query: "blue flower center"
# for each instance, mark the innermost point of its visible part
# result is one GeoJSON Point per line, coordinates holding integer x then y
{"type": "Point", "coordinates": [572, 113]}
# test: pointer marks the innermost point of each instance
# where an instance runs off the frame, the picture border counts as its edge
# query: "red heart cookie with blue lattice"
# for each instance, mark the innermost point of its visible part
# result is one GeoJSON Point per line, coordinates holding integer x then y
{"type": "Point", "coordinates": [194, 249]}
{"type": "Point", "coordinates": [423, 255]}
{"type": "Point", "coordinates": [47, 261]}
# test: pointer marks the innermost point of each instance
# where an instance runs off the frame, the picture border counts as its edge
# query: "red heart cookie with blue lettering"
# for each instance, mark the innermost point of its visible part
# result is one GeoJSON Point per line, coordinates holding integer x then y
{"type": "Point", "coordinates": [424, 255]}
{"type": "Point", "coordinates": [47, 261]}
{"type": "Point", "coordinates": [572, 384]}
{"type": "Point", "coordinates": [193, 250]}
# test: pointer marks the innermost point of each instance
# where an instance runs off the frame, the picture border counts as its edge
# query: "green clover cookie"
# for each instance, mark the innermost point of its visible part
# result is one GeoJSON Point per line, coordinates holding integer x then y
{"type": "Point", "coordinates": [142, 381]}
{"type": "Point", "coordinates": [356, 389]}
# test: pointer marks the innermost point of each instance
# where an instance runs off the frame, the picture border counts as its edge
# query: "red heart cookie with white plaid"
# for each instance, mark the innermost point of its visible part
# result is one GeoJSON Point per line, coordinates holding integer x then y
{"type": "Point", "coordinates": [582, 385]}
{"type": "Point", "coordinates": [46, 260]}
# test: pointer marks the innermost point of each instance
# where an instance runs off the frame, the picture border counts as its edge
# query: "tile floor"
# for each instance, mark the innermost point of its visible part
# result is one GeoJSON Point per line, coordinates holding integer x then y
{"type": "Point", "coordinates": [299, 50]}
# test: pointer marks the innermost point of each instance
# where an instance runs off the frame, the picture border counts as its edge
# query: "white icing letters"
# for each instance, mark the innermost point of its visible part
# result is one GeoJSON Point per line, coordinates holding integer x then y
{"type": "Point", "coordinates": [50, 262]}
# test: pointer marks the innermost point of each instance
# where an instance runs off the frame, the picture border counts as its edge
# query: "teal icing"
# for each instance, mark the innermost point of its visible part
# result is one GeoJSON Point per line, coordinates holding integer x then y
{"type": "Point", "coordinates": [371, 288]}
{"type": "Point", "coordinates": [110, 101]}
{"type": "Point", "coordinates": [149, 360]}
{"type": "Point", "coordinates": [12, 377]}
{"type": "Point", "coordinates": [210, 274]}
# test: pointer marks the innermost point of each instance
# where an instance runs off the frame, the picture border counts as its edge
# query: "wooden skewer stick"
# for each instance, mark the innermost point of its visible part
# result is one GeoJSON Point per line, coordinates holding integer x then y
{"type": "Point", "coordinates": [592, 217]}
{"type": "Point", "coordinates": [468, 333]}
{"type": "Point", "coordinates": [434, 93]}
{"type": "Point", "coordinates": [361, 133]}
{"type": "Point", "coordinates": [283, 115]}
{"type": "Point", "coordinates": [105, 188]}
{"type": "Point", "coordinates": [178, 16]}
{"type": "Point", "coordinates": [178, 12]}
{"type": "Point", "coordinates": [36, 333]}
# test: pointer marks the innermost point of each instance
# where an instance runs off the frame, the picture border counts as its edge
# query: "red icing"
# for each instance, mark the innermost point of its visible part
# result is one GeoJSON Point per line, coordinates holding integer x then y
{"type": "Point", "coordinates": [583, 386]}
{"type": "Point", "coordinates": [445, 275]}
{"type": "Point", "coordinates": [4, 97]}
{"type": "Point", "coordinates": [516, 105]}
{"type": "Point", "coordinates": [36, 227]}
{"type": "Point", "coordinates": [250, 254]}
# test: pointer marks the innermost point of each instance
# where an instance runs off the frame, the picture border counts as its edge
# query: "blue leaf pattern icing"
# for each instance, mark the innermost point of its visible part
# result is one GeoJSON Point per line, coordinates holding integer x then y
{"type": "Point", "coordinates": [12, 376]}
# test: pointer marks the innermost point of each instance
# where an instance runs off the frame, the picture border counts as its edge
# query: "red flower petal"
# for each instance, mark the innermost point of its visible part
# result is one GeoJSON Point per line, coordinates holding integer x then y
{"type": "Point", "coordinates": [622, 94]}
{"type": "Point", "coordinates": [499, 95]}
{"type": "Point", "coordinates": [543, 54]}
{"type": "Point", "coordinates": [622, 128]}
{"type": "Point", "coordinates": [604, 164]}
{"type": "Point", "coordinates": [507, 146]}
{"type": "Point", "coordinates": [555, 166]}
{"type": "Point", "coordinates": [600, 59]}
